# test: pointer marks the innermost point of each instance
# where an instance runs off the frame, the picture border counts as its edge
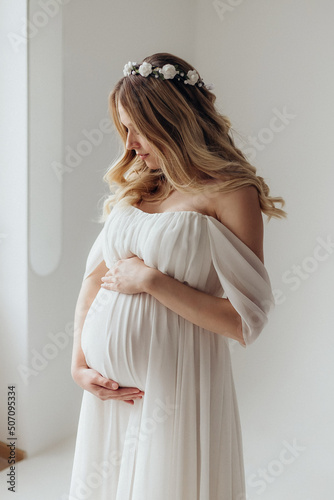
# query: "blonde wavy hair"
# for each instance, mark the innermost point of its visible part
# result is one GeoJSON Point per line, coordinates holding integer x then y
{"type": "Point", "coordinates": [190, 138]}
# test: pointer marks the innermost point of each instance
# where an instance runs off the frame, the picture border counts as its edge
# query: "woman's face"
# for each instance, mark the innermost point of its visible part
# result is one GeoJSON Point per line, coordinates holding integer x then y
{"type": "Point", "coordinates": [136, 142]}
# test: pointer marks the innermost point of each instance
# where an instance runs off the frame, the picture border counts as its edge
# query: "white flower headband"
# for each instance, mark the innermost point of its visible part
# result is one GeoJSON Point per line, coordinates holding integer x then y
{"type": "Point", "coordinates": [167, 72]}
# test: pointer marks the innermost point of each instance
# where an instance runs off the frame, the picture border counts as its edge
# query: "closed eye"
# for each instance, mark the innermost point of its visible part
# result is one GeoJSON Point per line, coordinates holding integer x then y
{"type": "Point", "coordinates": [133, 130]}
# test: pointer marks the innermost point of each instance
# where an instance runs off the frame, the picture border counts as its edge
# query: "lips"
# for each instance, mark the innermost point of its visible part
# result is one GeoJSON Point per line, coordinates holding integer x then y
{"type": "Point", "coordinates": [142, 157]}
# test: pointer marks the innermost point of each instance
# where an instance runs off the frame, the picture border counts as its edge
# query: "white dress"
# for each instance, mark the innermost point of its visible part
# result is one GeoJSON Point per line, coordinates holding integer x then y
{"type": "Point", "coordinates": [182, 441]}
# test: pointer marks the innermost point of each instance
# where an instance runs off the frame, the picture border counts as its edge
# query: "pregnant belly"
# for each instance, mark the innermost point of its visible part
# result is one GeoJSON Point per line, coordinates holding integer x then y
{"type": "Point", "coordinates": [121, 332]}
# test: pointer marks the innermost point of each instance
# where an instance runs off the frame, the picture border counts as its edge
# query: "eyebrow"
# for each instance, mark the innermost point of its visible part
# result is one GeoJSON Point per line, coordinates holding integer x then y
{"type": "Point", "coordinates": [126, 126]}
{"type": "Point", "coordinates": [129, 125]}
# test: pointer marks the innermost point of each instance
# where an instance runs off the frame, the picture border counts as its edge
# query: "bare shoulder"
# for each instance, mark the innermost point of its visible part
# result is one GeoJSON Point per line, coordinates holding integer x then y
{"type": "Point", "coordinates": [240, 212]}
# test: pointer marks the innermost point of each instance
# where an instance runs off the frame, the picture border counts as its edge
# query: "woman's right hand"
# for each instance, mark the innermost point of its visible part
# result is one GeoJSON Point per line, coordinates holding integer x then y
{"type": "Point", "coordinates": [103, 388]}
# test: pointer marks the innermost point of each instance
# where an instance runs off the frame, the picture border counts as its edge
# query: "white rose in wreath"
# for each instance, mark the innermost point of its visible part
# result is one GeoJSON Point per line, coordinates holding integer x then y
{"type": "Point", "coordinates": [168, 71]}
{"type": "Point", "coordinates": [128, 68]}
{"type": "Point", "coordinates": [192, 76]}
{"type": "Point", "coordinates": [145, 69]}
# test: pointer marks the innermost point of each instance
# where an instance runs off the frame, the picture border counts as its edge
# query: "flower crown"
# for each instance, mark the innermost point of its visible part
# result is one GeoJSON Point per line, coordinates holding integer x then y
{"type": "Point", "coordinates": [167, 72]}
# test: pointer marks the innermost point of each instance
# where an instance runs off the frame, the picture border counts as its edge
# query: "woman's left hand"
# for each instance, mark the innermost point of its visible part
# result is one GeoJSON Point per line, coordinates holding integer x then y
{"type": "Point", "coordinates": [128, 276]}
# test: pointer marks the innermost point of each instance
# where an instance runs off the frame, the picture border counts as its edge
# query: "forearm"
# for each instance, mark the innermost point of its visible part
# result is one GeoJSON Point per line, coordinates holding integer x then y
{"type": "Point", "coordinates": [88, 292]}
{"type": "Point", "coordinates": [207, 311]}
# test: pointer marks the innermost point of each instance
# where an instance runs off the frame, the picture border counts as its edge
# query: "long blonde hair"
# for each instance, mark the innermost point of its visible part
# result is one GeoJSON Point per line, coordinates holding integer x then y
{"type": "Point", "coordinates": [189, 137]}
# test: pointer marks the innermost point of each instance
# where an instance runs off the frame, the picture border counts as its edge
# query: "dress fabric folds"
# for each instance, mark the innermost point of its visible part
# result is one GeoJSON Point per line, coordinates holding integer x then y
{"type": "Point", "coordinates": [183, 440]}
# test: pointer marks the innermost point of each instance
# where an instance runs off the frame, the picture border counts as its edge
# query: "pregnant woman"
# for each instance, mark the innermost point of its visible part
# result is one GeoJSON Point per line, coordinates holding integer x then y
{"type": "Point", "coordinates": [176, 271]}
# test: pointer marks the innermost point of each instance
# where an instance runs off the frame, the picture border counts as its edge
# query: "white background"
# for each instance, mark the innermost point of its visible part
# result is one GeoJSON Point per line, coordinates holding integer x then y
{"type": "Point", "coordinates": [264, 57]}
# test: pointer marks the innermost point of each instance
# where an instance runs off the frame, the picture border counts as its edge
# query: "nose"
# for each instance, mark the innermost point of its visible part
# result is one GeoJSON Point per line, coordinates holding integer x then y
{"type": "Point", "coordinates": [131, 142]}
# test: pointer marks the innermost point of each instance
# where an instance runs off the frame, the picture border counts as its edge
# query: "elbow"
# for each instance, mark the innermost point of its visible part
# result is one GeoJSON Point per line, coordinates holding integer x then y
{"type": "Point", "coordinates": [240, 337]}
{"type": "Point", "coordinates": [233, 324]}
{"type": "Point", "coordinates": [248, 333]}
{"type": "Point", "coordinates": [74, 374]}
{"type": "Point", "coordinates": [242, 328]}
{"type": "Point", "coordinates": [235, 330]}
{"type": "Point", "coordinates": [245, 328]}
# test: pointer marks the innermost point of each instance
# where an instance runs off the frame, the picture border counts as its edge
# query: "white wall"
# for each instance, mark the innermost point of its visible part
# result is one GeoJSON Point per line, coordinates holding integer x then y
{"type": "Point", "coordinates": [13, 215]}
{"type": "Point", "coordinates": [265, 56]}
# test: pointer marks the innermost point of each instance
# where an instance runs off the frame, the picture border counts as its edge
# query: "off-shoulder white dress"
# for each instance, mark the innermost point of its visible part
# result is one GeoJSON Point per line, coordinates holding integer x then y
{"type": "Point", "coordinates": [182, 441]}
